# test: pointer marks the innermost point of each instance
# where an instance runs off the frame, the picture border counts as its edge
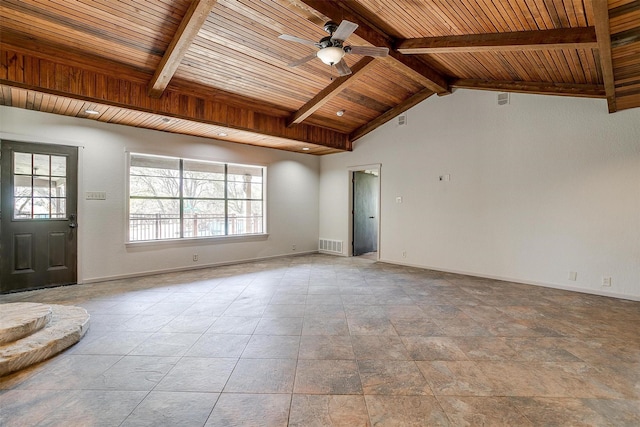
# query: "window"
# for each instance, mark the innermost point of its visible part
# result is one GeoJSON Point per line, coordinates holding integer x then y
{"type": "Point", "coordinates": [171, 198]}
{"type": "Point", "coordinates": [40, 183]}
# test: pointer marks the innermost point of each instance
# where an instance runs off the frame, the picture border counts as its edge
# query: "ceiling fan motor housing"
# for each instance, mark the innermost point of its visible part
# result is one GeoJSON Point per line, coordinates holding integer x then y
{"type": "Point", "coordinates": [330, 27]}
{"type": "Point", "coordinates": [327, 42]}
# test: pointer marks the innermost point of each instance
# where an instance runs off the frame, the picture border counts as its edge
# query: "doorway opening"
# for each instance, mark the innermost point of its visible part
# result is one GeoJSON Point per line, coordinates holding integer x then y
{"type": "Point", "coordinates": [365, 211]}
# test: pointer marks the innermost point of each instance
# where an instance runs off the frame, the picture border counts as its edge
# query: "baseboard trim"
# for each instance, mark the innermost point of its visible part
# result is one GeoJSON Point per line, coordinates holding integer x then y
{"type": "Point", "coordinates": [195, 267]}
{"type": "Point", "coordinates": [598, 292]}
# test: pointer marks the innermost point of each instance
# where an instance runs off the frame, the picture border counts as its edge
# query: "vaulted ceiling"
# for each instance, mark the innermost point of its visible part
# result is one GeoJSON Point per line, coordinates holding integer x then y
{"type": "Point", "coordinates": [218, 69]}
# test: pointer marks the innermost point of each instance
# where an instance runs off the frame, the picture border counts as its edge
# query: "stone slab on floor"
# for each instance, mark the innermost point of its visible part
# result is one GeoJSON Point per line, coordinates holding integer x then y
{"type": "Point", "coordinates": [20, 319]}
{"type": "Point", "coordinates": [67, 326]}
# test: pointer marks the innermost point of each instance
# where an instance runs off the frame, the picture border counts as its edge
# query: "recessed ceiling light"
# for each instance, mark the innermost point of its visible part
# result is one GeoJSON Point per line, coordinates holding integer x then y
{"type": "Point", "coordinates": [92, 112]}
{"type": "Point", "coordinates": [306, 148]}
{"type": "Point", "coordinates": [166, 119]}
{"type": "Point", "coordinates": [223, 134]}
{"type": "Point", "coordinates": [340, 113]}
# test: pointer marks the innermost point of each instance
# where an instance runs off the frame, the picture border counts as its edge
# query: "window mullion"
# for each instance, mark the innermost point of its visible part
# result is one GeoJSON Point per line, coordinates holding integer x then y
{"type": "Point", "coordinates": [181, 194]}
{"type": "Point", "coordinates": [226, 201]}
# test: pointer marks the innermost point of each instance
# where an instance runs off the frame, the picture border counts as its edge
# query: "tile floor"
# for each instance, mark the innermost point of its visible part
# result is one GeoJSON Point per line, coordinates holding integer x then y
{"type": "Point", "coordinates": [320, 340]}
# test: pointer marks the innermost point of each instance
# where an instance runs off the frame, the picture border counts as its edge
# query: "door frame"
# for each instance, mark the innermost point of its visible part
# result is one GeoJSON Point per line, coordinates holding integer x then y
{"type": "Point", "coordinates": [80, 190]}
{"type": "Point", "coordinates": [350, 170]}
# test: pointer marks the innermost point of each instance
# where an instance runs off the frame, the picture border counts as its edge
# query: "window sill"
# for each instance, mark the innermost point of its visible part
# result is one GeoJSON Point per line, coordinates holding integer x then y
{"type": "Point", "coordinates": [198, 241]}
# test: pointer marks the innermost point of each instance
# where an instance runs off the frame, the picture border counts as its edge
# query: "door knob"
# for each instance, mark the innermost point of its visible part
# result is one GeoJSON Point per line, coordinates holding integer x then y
{"type": "Point", "coordinates": [371, 217]}
{"type": "Point", "coordinates": [72, 221]}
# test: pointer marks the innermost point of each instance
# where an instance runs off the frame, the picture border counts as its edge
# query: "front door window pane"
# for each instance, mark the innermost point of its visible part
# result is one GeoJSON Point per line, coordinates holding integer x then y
{"type": "Point", "coordinates": [58, 166]}
{"type": "Point", "coordinates": [41, 164]}
{"type": "Point", "coordinates": [22, 163]}
{"type": "Point", "coordinates": [58, 187]}
{"type": "Point", "coordinates": [22, 207]}
{"type": "Point", "coordinates": [41, 186]}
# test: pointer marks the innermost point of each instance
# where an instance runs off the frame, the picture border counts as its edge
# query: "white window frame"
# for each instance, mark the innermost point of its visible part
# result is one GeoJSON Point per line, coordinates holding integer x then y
{"type": "Point", "coordinates": [202, 239]}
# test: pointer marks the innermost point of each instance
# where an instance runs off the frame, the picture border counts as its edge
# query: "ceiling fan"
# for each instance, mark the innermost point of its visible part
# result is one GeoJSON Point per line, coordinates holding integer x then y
{"type": "Point", "coordinates": [331, 48]}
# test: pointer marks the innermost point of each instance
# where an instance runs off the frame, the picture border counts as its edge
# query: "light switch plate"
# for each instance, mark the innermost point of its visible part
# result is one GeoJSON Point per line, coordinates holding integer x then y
{"type": "Point", "coordinates": [95, 195]}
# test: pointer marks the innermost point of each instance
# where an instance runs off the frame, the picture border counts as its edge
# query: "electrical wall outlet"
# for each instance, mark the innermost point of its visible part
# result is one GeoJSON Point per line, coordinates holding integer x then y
{"type": "Point", "coordinates": [195, 257]}
{"type": "Point", "coordinates": [293, 247]}
{"type": "Point", "coordinates": [606, 281]}
{"type": "Point", "coordinates": [573, 276]}
{"type": "Point", "coordinates": [404, 254]}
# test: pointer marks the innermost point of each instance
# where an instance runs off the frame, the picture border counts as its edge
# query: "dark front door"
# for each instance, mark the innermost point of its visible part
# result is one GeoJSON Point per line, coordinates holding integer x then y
{"type": "Point", "coordinates": [38, 235]}
{"type": "Point", "coordinates": [365, 213]}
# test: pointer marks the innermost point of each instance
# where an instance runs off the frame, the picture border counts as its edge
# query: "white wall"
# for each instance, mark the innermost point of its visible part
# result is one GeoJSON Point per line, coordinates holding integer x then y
{"type": "Point", "coordinates": [539, 188]}
{"type": "Point", "coordinates": [292, 194]}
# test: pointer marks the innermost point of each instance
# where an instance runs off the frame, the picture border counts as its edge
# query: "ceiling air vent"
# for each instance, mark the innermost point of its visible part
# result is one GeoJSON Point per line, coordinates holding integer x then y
{"type": "Point", "coordinates": [402, 120]}
{"type": "Point", "coordinates": [503, 98]}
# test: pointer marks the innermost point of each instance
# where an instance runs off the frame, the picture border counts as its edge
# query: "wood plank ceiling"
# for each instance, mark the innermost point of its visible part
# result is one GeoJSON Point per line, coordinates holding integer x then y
{"type": "Point", "coordinates": [218, 69]}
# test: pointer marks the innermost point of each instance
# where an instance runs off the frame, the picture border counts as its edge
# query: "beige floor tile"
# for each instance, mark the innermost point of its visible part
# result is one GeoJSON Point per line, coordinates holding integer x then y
{"type": "Point", "coordinates": [370, 326]}
{"type": "Point", "coordinates": [250, 410]}
{"type": "Point", "coordinates": [406, 411]}
{"type": "Point", "coordinates": [327, 377]}
{"type": "Point", "coordinates": [482, 411]}
{"type": "Point", "coordinates": [198, 374]}
{"type": "Point", "coordinates": [334, 411]}
{"type": "Point", "coordinates": [332, 347]}
{"type": "Point", "coordinates": [219, 345]}
{"type": "Point", "coordinates": [393, 378]}
{"type": "Point", "coordinates": [262, 376]}
{"type": "Point", "coordinates": [172, 408]}
{"type": "Point", "coordinates": [433, 348]}
{"type": "Point", "coordinates": [379, 347]}
{"type": "Point", "coordinates": [279, 326]}
{"type": "Point", "coordinates": [558, 411]}
{"type": "Point", "coordinates": [134, 373]}
{"type": "Point", "coordinates": [272, 347]}
{"type": "Point", "coordinates": [234, 325]}
{"type": "Point", "coordinates": [456, 378]}
{"type": "Point", "coordinates": [325, 326]}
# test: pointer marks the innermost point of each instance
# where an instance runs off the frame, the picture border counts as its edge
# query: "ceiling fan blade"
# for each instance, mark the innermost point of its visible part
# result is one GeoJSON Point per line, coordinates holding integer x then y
{"type": "Point", "coordinates": [345, 29]}
{"type": "Point", "coordinates": [369, 50]}
{"type": "Point", "coordinates": [295, 39]}
{"type": "Point", "coordinates": [343, 68]}
{"type": "Point", "coordinates": [301, 60]}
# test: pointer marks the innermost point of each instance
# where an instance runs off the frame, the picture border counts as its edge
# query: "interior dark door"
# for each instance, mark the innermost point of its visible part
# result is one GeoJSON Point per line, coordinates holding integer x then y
{"type": "Point", "coordinates": [38, 243]}
{"type": "Point", "coordinates": [365, 213]}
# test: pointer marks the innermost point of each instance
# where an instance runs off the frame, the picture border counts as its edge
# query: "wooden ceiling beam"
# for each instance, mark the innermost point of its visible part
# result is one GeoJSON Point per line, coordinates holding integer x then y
{"type": "Point", "coordinates": [562, 38]}
{"type": "Point", "coordinates": [337, 11]}
{"type": "Point", "coordinates": [46, 76]}
{"type": "Point", "coordinates": [537, 88]}
{"type": "Point", "coordinates": [191, 23]}
{"type": "Point", "coordinates": [331, 91]}
{"type": "Point", "coordinates": [603, 34]}
{"type": "Point", "coordinates": [412, 101]}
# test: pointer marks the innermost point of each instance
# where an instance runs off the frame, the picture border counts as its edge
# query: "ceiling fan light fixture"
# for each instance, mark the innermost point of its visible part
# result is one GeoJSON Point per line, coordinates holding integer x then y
{"type": "Point", "coordinates": [331, 55]}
